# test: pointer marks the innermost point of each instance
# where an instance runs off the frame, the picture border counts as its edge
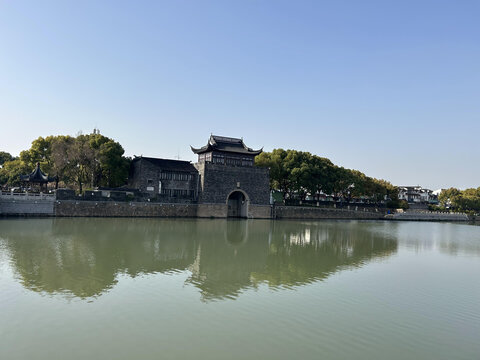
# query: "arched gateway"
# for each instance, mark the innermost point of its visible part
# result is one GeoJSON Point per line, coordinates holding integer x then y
{"type": "Point", "coordinates": [237, 202]}
{"type": "Point", "coordinates": [225, 177]}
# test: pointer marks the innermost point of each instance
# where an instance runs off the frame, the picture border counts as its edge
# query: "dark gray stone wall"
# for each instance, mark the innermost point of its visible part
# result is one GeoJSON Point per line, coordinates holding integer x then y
{"type": "Point", "coordinates": [429, 216]}
{"type": "Point", "coordinates": [72, 208]}
{"type": "Point", "coordinates": [143, 171]}
{"type": "Point", "coordinates": [123, 209]}
{"type": "Point", "coordinates": [298, 212]}
{"type": "Point", "coordinates": [65, 194]}
{"type": "Point", "coordinates": [38, 207]}
{"type": "Point", "coordinates": [218, 181]}
{"type": "Point", "coordinates": [212, 210]}
{"type": "Point", "coordinates": [259, 211]}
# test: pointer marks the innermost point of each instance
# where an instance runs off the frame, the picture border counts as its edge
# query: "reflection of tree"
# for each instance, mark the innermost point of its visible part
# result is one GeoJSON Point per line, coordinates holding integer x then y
{"type": "Point", "coordinates": [301, 253]}
{"type": "Point", "coordinates": [84, 256]}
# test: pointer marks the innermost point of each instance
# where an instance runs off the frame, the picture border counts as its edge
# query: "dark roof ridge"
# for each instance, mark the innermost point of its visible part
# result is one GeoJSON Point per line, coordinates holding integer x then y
{"type": "Point", "coordinates": [169, 164]}
{"type": "Point", "coordinates": [227, 144]}
{"type": "Point", "coordinates": [37, 176]}
{"type": "Point", "coordinates": [154, 158]}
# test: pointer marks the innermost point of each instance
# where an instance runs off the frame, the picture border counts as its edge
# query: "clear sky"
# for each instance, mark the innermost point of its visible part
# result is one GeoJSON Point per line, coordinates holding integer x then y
{"type": "Point", "coordinates": [390, 88]}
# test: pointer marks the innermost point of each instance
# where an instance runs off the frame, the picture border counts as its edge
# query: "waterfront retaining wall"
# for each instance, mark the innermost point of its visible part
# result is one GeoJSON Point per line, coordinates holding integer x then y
{"type": "Point", "coordinates": [27, 207]}
{"type": "Point", "coordinates": [429, 216]}
{"type": "Point", "coordinates": [212, 210]}
{"type": "Point", "coordinates": [145, 209]}
{"type": "Point", "coordinates": [298, 212]}
{"type": "Point", "coordinates": [259, 211]}
{"type": "Point", "coordinates": [26, 204]}
{"type": "Point", "coordinates": [123, 209]}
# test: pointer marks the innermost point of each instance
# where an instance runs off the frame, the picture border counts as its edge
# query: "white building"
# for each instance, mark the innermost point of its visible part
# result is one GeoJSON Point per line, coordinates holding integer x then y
{"type": "Point", "coordinates": [417, 194]}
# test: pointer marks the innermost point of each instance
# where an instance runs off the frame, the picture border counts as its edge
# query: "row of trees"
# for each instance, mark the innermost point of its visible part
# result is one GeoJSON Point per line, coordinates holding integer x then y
{"type": "Point", "coordinates": [95, 160]}
{"type": "Point", "coordinates": [460, 200]}
{"type": "Point", "coordinates": [85, 160]}
{"type": "Point", "coordinates": [297, 173]}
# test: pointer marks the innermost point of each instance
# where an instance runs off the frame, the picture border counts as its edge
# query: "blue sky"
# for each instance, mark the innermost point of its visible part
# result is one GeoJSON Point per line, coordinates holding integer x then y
{"type": "Point", "coordinates": [390, 88]}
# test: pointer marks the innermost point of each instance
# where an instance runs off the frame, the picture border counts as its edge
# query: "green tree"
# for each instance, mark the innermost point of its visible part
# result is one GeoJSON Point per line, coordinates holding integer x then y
{"type": "Point", "coordinates": [61, 157]}
{"type": "Point", "coordinates": [11, 171]}
{"type": "Point", "coordinates": [280, 178]}
{"type": "Point", "coordinates": [449, 197]}
{"type": "Point", "coordinates": [301, 173]}
{"type": "Point", "coordinates": [110, 166]}
{"type": "Point", "coordinates": [39, 152]}
{"type": "Point", "coordinates": [82, 158]}
{"type": "Point", "coordinates": [4, 157]}
{"type": "Point", "coordinates": [320, 176]}
{"type": "Point", "coordinates": [92, 159]}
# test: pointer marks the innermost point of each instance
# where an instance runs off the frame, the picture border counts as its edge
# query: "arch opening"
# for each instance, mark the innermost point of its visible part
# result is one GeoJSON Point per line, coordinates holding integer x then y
{"type": "Point", "coordinates": [237, 203]}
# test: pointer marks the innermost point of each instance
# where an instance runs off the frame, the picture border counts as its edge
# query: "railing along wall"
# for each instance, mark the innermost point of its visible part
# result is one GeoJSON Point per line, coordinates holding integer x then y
{"type": "Point", "coordinates": [26, 196]}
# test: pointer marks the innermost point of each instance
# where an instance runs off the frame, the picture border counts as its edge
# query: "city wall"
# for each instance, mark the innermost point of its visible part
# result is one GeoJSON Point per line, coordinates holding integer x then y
{"type": "Point", "coordinates": [122, 209]}
{"type": "Point", "coordinates": [429, 216]}
{"type": "Point", "coordinates": [13, 205]}
{"type": "Point", "coordinates": [69, 208]}
{"type": "Point", "coordinates": [298, 212]}
{"type": "Point", "coordinates": [27, 205]}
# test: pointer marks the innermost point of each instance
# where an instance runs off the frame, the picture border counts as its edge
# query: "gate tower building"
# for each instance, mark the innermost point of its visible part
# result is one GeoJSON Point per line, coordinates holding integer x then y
{"type": "Point", "coordinates": [229, 183]}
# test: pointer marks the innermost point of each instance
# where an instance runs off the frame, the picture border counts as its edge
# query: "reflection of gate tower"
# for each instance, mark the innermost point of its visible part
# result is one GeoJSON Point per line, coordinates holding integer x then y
{"type": "Point", "coordinates": [230, 184]}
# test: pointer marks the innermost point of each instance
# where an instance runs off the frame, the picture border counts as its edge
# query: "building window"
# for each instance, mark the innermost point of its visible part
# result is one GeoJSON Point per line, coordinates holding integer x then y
{"type": "Point", "coordinates": [166, 192]}
{"type": "Point", "coordinates": [247, 162]}
{"type": "Point", "coordinates": [218, 159]}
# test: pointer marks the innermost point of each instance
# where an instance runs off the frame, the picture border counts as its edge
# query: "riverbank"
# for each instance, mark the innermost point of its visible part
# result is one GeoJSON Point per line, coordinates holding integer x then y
{"type": "Point", "coordinates": [48, 206]}
{"type": "Point", "coordinates": [429, 216]}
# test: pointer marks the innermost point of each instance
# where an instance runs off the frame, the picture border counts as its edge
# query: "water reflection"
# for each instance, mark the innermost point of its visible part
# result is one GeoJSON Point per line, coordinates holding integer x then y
{"type": "Point", "coordinates": [83, 257]}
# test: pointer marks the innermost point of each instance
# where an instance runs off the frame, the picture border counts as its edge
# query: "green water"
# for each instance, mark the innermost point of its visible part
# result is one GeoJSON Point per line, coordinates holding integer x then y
{"type": "Point", "coordinates": [217, 289]}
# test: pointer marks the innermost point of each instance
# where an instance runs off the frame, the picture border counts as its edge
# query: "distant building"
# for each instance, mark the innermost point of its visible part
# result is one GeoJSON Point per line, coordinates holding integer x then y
{"type": "Point", "coordinates": [417, 195]}
{"type": "Point", "coordinates": [223, 183]}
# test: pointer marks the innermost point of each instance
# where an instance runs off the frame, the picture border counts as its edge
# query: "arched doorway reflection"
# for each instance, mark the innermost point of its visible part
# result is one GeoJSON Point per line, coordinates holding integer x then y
{"type": "Point", "coordinates": [237, 203]}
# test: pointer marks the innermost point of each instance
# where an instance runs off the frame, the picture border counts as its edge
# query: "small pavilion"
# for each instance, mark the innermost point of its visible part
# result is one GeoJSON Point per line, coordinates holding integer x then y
{"type": "Point", "coordinates": [38, 177]}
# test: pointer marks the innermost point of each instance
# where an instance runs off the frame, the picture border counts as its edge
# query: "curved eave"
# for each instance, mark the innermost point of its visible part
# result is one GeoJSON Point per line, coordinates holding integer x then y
{"type": "Point", "coordinates": [201, 150]}
{"type": "Point", "coordinates": [251, 151]}
{"type": "Point", "coordinates": [255, 152]}
{"type": "Point", "coordinates": [39, 181]}
{"type": "Point", "coordinates": [210, 147]}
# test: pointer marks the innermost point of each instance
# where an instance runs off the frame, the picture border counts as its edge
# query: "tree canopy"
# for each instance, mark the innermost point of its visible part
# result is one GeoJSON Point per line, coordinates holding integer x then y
{"type": "Point", "coordinates": [460, 200]}
{"type": "Point", "coordinates": [300, 173]}
{"type": "Point", "coordinates": [4, 157]}
{"type": "Point", "coordinates": [85, 160]}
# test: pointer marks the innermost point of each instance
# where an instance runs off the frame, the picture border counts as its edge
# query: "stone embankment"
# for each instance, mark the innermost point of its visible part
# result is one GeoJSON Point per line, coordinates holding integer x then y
{"type": "Point", "coordinates": [428, 216]}
{"type": "Point", "coordinates": [354, 213]}
{"type": "Point", "coordinates": [69, 208]}
{"type": "Point", "coordinates": [27, 204]}
{"type": "Point", "coordinates": [48, 205]}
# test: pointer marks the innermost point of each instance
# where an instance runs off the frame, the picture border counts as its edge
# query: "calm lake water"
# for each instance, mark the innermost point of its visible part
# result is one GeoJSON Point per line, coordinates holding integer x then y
{"type": "Point", "coordinates": [217, 289]}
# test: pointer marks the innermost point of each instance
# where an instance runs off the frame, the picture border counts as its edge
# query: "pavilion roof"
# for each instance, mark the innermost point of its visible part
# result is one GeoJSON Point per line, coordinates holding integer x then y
{"type": "Point", "coordinates": [226, 144]}
{"type": "Point", "coordinates": [37, 176]}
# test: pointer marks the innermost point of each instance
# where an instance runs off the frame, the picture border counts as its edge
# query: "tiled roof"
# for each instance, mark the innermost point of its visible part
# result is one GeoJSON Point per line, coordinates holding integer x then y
{"type": "Point", "coordinates": [37, 176]}
{"type": "Point", "coordinates": [227, 144]}
{"type": "Point", "coordinates": [168, 164]}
